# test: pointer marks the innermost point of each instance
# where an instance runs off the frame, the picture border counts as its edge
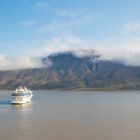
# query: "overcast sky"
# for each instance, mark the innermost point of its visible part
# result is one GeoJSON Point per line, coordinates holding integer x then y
{"type": "Point", "coordinates": [33, 28]}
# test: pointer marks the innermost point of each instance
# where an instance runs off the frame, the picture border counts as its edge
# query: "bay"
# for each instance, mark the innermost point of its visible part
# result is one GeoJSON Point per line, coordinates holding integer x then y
{"type": "Point", "coordinates": [72, 115]}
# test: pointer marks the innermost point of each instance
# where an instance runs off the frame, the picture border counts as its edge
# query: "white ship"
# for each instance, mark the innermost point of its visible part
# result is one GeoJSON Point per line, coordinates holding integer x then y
{"type": "Point", "coordinates": [21, 95]}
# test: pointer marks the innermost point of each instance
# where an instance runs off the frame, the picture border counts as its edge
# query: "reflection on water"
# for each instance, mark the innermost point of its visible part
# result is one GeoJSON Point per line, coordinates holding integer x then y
{"type": "Point", "coordinates": [23, 122]}
{"type": "Point", "coordinates": [5, 102]}
{"type": "Point", "coordinates": [22, 107]}
{"type": "Point", "coordinates": [72, 116]}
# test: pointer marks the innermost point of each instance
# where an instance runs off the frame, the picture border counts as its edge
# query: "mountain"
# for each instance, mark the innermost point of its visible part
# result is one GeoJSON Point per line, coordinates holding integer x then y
{"type": "Point", "coordinates": [68, 71]}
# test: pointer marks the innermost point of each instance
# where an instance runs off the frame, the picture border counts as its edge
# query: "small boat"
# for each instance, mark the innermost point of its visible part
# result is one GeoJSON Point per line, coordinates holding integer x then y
{"type": "Point", "coordinates": [21, 95]}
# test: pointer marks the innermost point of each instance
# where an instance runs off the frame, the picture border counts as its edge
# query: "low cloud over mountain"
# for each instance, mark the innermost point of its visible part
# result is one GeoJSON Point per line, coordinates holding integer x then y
{"type": "Point", "coordinates": [74, 71]}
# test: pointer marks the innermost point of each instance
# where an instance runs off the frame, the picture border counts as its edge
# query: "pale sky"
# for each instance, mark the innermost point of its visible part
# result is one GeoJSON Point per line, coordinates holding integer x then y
{"type": "Point", "coordinates": [35, 28]}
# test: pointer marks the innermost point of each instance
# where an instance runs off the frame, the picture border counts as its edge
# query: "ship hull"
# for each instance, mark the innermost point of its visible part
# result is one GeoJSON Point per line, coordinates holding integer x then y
{"type": "Point", "coordinates": [21, 99]}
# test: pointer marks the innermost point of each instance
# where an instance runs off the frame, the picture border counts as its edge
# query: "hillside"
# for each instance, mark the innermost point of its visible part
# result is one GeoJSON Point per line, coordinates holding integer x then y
{"type": "Point", "coordinates": [67, 71]}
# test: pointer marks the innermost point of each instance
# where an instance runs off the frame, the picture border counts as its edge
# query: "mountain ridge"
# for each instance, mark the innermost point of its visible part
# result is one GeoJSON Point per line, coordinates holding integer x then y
{"type": "Point", "coordinates": [66, 71]}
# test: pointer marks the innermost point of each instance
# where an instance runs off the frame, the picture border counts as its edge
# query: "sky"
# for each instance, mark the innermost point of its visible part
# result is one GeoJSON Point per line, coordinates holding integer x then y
{"type": "Point", "coordinates": [30, 29]}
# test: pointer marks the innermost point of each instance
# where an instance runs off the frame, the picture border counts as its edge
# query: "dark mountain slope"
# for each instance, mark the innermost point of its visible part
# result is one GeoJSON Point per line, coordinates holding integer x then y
{"type": "Point", "coordinates": [68, 71]}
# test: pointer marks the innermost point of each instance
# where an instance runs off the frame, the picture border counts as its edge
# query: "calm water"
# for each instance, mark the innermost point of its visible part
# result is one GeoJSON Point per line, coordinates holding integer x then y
{"type": "Point", "coordinates": [72, 116]}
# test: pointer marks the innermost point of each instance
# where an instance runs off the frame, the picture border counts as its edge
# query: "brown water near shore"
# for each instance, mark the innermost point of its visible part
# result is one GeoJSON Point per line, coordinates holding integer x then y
{"type": "Point", "coordinates": [57, 115]}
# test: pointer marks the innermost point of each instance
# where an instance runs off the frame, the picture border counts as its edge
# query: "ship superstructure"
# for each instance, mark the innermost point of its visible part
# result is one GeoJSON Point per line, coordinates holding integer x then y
{"type": "Point", "coordinates": [21, 95]}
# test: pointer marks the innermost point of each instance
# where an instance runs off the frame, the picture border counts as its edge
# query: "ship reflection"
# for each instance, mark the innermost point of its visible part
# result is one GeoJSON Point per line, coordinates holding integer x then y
{"type": "Point", "coordinates": [22, 107]}
{"type": "Point", "coordinates": [24, 121]}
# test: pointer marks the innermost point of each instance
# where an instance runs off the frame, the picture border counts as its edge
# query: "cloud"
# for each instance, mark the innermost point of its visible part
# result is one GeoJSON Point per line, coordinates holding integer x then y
{"type": "Point", "coordinates": [8, 62]}
{"type": "Point", "coordinates": [28, 23]}
{"type": "Point", "coordinates": [3, 45]}
{"type": "Point", "coordinates": [63, 26]}
{"type": "Point", "coordinates": [130, 27]}
{"type": "Point", "coordinates": [126, 51]}
{"type": "Point", "coordinates": [48, 46]}
{"type": "Point", "coordinates": [32, 58]}
{"type": "Point", "coordinates": [66, 20]}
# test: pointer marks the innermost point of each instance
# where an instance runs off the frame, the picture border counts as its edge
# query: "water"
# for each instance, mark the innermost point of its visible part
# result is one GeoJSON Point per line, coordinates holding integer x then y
{"type": "Point", "coordinates": [56, 115]}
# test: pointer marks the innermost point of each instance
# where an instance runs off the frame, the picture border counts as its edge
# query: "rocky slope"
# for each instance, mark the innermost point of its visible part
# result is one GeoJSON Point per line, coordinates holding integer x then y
{"type": "Point", "coordinates": [67, 71]}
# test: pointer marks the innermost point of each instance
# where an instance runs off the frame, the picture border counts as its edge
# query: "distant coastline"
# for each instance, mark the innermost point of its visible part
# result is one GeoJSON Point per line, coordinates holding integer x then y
{"type": "Point", "coordinates": [70, 72]}
{"type": "Point", "coordinates": [82, 89]}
